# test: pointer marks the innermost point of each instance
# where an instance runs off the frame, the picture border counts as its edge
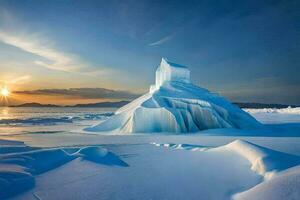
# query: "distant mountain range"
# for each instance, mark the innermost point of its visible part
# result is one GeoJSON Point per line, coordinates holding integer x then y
{"type": "Point", "coordinates": [122, 103]}
{"type": "Point", "coordinates": [34, 105]}
{"type": "Point", "coordinates": [103, 104]}
{"type": "Point", "coordinates": [99, 105]}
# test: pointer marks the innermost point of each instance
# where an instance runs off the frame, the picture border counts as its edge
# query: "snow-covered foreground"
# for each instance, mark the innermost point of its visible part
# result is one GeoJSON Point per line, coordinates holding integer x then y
{"type": "Point", "coordinates": [45, 155]}
{"type": "Point", "coordinates": [284, 185]}
{"type": "Point", "coordinates": [79, 166]}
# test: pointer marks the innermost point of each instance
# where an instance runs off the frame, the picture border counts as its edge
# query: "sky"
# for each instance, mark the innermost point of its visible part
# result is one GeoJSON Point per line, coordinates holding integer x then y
{"type": "Point", "coordinates": [70, 51]}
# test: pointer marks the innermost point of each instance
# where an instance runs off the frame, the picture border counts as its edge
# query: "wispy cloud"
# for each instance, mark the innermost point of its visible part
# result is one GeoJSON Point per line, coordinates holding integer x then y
{"type": "Point", "coordinates": [89, 93]}
{"type": "Point", "coordinates": [48, 55]}
{"type": "Point", "coordinates": [36, 45]}
{"type": "Point", "coordinates": [20, 79]}
{"type": "Point", "coordinates": [161, 41]}
{"type": "Point", "coordinates": [16, 80]}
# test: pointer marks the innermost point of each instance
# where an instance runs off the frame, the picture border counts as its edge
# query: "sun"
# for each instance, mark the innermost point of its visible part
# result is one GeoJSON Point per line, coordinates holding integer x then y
{"type": "Point", "coordinates": [5, 92]}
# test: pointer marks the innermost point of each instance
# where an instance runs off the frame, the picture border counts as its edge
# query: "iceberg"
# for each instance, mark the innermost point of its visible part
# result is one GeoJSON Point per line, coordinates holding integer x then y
{"type": "Point", "coordinates": [175, 105]}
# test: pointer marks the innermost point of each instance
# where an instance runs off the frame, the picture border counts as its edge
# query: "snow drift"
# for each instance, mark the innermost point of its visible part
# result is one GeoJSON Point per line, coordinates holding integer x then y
{"type": "Point", "coordinates": [19, 166]}
{"type": "Point", "coordinates": [285, 185]}
{"type": "Point", "coordinates": [280, 170]}
{"type": "Point", "coordinates": [264, 161]}
{"type": "Point", "coordinates": [175, 105]}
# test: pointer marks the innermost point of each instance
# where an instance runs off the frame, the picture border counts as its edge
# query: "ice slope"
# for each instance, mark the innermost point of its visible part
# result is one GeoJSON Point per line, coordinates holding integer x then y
{"type": "Point", "coordinates": [175, 105]}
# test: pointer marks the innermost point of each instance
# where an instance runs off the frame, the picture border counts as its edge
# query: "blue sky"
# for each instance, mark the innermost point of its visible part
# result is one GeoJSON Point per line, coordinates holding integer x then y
{"type": "Point", "coordinates": [246, 50]}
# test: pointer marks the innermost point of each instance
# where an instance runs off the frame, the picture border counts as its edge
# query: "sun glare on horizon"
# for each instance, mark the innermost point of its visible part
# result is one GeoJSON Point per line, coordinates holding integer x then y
{"type": "Point", "coordinates": [4, 92]}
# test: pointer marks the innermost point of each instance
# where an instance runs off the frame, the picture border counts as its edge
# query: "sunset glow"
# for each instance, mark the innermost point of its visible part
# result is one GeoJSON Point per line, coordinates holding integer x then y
{"type": "Point", "coordinates": [5, 92]}
{"type": "Point", "coordinates": [42, 61]}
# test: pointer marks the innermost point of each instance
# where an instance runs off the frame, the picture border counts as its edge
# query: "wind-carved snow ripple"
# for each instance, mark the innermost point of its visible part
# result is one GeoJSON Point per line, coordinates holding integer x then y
{"type": "Point", "coordinates": [264, 161]}
{"type": "Point", "coordinates": [281, 171]}
{"type": "Point", "coordinates": [190, 147]}
{"type": "Point", "coordinates": [17, 169]}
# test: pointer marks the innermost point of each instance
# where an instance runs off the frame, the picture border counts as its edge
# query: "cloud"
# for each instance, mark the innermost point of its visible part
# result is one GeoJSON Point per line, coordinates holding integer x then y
{"type": "Point", "coordinates": [161, 41]}
{"type": "Point", "coordinates": [17, 80]}
{"type": "Point", "coordinates": [36, 45]}
{"type": "Point", "coordinates": [12, 33]}
{"type": "Point", "coordinates": [87, 93]}
{"type": "Point", "coordinates": [20, 79]}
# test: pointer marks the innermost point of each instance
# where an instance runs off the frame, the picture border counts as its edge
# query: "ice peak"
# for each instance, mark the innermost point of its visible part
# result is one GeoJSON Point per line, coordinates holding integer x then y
{"type": "Point", "coordinates": [169, 72]}
{"type": "Point", "coordinates": [164, 61]}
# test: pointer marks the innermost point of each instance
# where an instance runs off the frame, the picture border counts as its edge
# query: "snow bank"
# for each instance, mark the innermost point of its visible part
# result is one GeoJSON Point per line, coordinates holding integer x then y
{"type": "Point", "coordinates": [281, 170]}
{"type": "Point", "coordinates": [214, 173]}
{"type": "Point", "coordinates": [13, 180]}
{"type": "Point", "coordinates": [276, 116]}
{"type": "Point", "coordinates": [288, 110]}
{"type": "Point", "coordinates": [284, 185]}
{"type": "Point", "coordinates": [17, 169]}
{"type": "Point", "coordinates": [175, 105]}
{"type": "Point", "coordinates": [101, 156]}
{"type": "Point", "coordinates": [264, 161]}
